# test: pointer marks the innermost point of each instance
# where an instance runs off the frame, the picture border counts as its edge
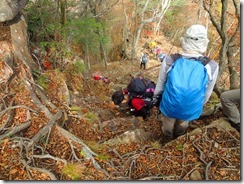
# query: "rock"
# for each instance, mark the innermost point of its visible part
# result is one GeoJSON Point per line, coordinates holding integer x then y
{"type": "Point", "coordinates": [221, 124]}
{"type": "Point", "coordinates": [196, 175]}
{"type": "Point", "coordinates": [127, 137]}
{"type": "Point", "coordinates": [10, 8]}
{"type": "Point", "coordinates": [211, 110]}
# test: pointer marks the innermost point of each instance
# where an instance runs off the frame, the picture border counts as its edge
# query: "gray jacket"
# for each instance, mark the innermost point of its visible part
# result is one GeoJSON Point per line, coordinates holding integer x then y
{"type": "Point", "coordinates": [212, 70]}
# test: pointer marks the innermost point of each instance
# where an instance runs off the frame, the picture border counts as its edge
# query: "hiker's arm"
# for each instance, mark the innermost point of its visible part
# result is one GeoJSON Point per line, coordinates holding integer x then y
{"type": "Point", "coordinates": [211, 84]}
{"type": "Point", "coordinates": [161, 79]}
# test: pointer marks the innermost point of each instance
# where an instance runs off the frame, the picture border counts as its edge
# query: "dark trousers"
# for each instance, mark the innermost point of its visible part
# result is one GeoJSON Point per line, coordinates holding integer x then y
{"type": "Point", "coordinates": [144, 65]}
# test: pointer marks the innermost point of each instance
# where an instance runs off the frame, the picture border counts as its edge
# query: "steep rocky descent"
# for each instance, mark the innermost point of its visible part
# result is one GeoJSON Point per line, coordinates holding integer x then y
{"type": "Point", "coordinates": [45, 136]}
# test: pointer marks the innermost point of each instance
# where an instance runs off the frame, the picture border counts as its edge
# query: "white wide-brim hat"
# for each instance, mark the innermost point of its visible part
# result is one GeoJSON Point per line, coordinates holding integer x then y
{"type": "Point", "coordinates": [195, 39]}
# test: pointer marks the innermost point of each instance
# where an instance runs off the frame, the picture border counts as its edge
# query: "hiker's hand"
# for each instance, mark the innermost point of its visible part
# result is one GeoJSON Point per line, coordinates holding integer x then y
{"type": "Point", "coordinates": [156, 100]}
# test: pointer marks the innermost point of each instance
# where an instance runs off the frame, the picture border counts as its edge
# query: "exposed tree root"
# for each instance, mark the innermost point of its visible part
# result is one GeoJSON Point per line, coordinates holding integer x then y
{"type": "Point", "coordinates": [16, 129]}
{"type": "Point", "coordinates": [46, 128]}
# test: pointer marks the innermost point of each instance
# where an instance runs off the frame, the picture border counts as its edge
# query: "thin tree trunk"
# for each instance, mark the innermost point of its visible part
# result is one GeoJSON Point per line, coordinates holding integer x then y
{"type": "Point", "coordinates": [133, 43]}
{"type": "Point", "coordinates": [18, 37]}
{"type": "Point", "coordinates": [165, 6]}
{"type": "Point", "coordinates": [234, 77]}
{"type": "Point", "coordinates": [63, 11]}
{"type": "Point", "coordinates": [104, 56]}
{"type": "Point", "coordinates": [125, 33]}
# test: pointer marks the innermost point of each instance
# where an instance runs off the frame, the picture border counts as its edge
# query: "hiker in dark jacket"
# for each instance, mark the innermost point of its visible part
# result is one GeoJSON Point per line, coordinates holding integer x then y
{"type": "Point", "coordinates": [139, 107]}
{"type": "Point", "coordinates": [229, 101]}
{"type": "Point", "coordinates": [194, 44]}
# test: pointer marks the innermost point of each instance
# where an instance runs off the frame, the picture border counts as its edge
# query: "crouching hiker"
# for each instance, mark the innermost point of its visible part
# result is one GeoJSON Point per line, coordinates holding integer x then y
{"type": "Point", "coordinates": [229, 101]}
{"type": "Point", "coordinates": [137, 95]}
{"type": "Point", "coordinates": [185, 83]}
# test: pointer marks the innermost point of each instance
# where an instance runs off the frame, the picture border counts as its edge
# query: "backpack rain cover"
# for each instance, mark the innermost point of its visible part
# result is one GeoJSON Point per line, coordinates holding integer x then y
{"type": "Point", "coordinates": [184, 92]}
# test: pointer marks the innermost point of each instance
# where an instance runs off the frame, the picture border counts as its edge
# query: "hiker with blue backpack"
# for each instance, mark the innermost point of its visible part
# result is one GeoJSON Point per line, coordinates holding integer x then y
{"type": "Point", "coordinates": [185, 83]}
{"type": "Point", "coordinates": [144, 60]}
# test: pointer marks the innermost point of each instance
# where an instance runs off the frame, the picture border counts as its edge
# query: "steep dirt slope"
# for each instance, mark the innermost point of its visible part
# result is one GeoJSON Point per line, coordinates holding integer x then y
{"type": "Point", "coordinates": [101, 142]}
{"type": "Point", "coordinates": [95, 140]}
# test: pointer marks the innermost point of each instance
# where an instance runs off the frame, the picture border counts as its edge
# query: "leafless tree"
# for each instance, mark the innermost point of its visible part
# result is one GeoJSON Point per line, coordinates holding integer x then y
{"type": "Point", "coordinates": [228, 28]}
{"type": "Point", "coordinates": [145, 12]}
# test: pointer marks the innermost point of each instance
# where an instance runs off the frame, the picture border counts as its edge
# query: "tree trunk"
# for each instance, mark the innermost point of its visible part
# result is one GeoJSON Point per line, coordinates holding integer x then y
{"type": "Point", "coordinates": [136, 40]}
{"type": "Point", "coordinates": [165, 6]}
{"type": "Point", "coordinates": [125, 51]}
{"type": "Point", "coordinates": [19, 38]}
{"type": "Point", "coordinates": [104, 56]}
{"type": "Point", "coordinates": [234, 76]}
{"type": "Point", "coordinates": [63, 11]}
{"type": "Point", "coordinates": [225, 51]}
{"type": "Point", "coordinates": [138, 26]}
{"type": "Point", "coordinates": [9, 9]}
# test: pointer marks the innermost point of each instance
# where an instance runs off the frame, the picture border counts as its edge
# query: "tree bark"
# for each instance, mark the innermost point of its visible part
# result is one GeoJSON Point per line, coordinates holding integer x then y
{"type": "Point", "coordinates": [157, 15]}
{"type": "Point", "coordinates": [9, 9]}
{"type": "Point", "coordinates": [226, 61]}
{"type": "Point", "coordinates": [63, 11]}
{"type": "Point", "coordinates": [19, 42]}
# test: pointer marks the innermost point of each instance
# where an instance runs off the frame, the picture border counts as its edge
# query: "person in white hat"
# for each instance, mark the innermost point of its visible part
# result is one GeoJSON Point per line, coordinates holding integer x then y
{"type": "Point", "coordinates": [194, 44]}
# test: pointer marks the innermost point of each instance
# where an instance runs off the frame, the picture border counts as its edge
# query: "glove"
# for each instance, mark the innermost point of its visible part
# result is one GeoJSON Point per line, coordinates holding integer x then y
{"type": "Point", "coordinates": [156, 100]}
{"type": "Point", "coordinates": [143, 112]}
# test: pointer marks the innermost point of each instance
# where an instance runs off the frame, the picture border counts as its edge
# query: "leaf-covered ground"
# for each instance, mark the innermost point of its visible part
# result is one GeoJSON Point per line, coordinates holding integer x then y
{"type": "Point", "coordinates": [205, 152]}
{"type": "Point", "coordinates": [95, 140]}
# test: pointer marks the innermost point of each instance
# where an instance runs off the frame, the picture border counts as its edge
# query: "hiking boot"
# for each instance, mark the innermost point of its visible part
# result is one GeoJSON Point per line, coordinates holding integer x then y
{"type": "Point", "coordinates": [179, 134]}
{"type": "Point", "coordinates": [192, 125]}
{"type": "Point", "coordinates": [165, 139]}
{"type": "Point", "coordinates": [237, 126]}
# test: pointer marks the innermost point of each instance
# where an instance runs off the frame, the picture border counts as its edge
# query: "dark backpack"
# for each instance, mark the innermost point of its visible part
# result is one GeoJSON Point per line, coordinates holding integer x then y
{"type": "Point", "coordinates": [141, 88]}
{"type": "Point", "coordinates": [185, 88]}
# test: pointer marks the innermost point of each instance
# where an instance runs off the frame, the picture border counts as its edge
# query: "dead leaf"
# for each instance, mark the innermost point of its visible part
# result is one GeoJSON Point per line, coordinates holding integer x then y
{"type": "Point", "coordinates": [13, 171]}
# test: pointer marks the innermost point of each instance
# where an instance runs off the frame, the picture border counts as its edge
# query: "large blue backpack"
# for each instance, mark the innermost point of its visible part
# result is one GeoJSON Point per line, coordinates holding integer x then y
{"type": "Point", "coordinates": [184, 92]}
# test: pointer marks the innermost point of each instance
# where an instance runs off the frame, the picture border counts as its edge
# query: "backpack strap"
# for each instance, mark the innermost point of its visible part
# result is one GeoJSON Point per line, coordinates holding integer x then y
{"type": "Point", "coordinates": [205, 60]}
{"type": "Point", "coordinates": [175, 56]}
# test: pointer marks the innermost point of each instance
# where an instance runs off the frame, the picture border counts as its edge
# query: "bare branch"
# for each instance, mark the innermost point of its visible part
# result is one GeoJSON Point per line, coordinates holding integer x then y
{"type": "Point", "coordinates": [9, 118]}
{"type": "Point", "coordinates": [73, 151]}
{"type": "Point", "coordinates": [45, 129]}
{"type": "Point", "coordinates": [15, 107]}
{"type": "Point", "coordinates": [206, 170]}
{"type": "Point", "coordinates": [37, 102]}
{"type": "Point", "coordinates": [16, 129]}
{"type": "Point", "coordinates": [237, 8]}
{"type": "Point", "coordinates": [50, 157]}
{"type": "Point", "coordinates": [214, 22]}
{"type": "Point", "coordinates": [75, 139]}
{"type": "Point", "coordinates": [50, 174]}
